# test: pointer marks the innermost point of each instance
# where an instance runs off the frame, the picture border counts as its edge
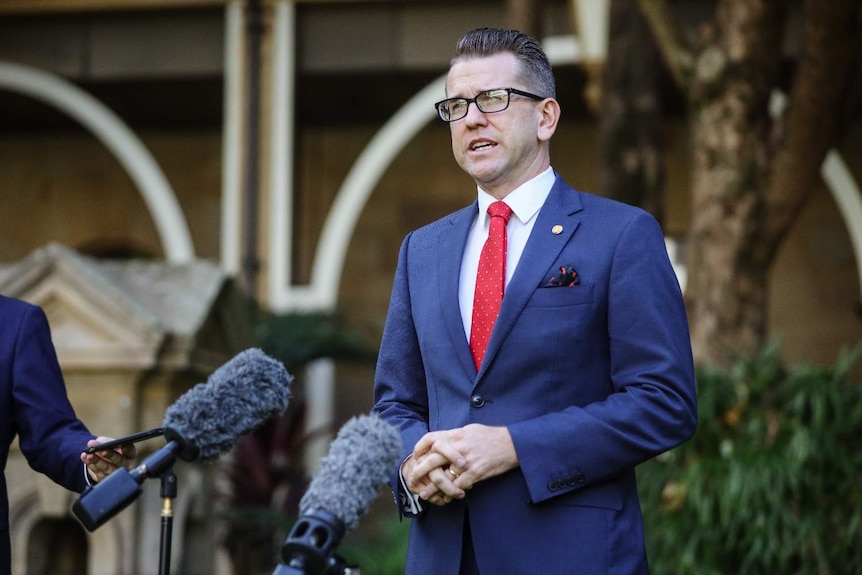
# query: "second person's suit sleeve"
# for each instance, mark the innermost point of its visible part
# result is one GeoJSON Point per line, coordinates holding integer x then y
{"type": "Point", "coordinates": [50, 435]}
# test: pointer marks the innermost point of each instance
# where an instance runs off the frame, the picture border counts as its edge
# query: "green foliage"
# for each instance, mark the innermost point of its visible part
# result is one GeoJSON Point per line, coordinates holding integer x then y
{"type": "Point", "coordinates": [297, 339]}
{"type": "Point", "coordinates": [771, 482]}
{"type": "Point", "coordinates": [266, 481]}
{"type": "Point", "coordinates": [383, 552]}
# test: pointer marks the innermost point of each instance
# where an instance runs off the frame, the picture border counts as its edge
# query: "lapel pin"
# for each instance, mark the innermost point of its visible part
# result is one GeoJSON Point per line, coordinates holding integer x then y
{"type": "Point", "coordinates": [557, 230]}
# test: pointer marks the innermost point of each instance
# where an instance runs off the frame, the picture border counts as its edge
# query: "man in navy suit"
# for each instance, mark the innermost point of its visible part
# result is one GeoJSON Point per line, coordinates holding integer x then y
{"type": "Point", "coordinates": [523, 460]}
{"type": "Point", "coordinates": [34, 406]}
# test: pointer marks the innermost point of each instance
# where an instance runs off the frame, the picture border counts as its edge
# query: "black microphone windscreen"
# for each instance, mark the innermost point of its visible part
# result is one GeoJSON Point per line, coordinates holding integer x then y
{"type": "Point", "coordinates": [361, 458]}
{"type": "Point", "coordinates": [236, 399]}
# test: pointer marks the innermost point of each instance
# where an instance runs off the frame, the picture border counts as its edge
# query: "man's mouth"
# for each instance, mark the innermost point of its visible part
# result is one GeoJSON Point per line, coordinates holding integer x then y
{"type": "Point", "coordinates": [477, 146]}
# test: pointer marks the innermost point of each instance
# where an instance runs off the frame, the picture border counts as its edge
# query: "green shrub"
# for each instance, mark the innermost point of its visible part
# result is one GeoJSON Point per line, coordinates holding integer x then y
{"type": "Point", "coordinates": [771, 481]}
{"type": "Point", "coordinates": [383, 552]}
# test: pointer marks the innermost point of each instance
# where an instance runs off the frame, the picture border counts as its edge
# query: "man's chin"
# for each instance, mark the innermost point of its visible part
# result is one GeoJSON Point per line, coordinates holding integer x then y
{"type": "Point", "coordinates": [484, 175]}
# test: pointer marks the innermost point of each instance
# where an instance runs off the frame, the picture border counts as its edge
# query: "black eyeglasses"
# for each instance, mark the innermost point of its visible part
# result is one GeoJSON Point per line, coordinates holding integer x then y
{"type": "Point", "coordinates": [489, 101]}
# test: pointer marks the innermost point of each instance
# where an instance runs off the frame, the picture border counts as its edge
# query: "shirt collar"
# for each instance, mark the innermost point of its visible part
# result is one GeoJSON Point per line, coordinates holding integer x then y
{"type": "Point", "coordinates": [525, 200]}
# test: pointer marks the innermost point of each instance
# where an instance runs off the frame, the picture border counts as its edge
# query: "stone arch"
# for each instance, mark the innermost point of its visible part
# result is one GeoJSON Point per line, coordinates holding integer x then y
{"type": "Point", "coordinates": [157, 193]}
{"type": "Point", "coordinates": [57, 545]}
{"type": "Point", "coordinates": [28, 509]}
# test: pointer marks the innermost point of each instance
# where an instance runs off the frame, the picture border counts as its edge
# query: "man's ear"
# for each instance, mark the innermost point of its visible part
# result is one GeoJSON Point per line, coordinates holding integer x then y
{"type": "Point", "coordinates": [550, 117]}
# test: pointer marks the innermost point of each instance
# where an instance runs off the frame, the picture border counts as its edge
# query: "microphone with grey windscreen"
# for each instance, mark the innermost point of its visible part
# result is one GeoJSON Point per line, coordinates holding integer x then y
{"type": "Point", "coordinates": [238, 397]}
{"type": "Point", "coordinates": [362, 457]}
{"type": "Point", "coordinates": [204, 423]}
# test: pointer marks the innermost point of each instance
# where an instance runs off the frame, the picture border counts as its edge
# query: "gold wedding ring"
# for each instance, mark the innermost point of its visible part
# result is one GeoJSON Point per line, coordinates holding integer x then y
{"type": "Point", "coordinates": [454, 475]}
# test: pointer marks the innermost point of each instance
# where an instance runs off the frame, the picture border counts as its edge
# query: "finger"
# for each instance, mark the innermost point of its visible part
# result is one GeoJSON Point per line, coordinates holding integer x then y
{"type": "Point", "coordinates": [129, 451]}
{"type": "Point", "coordinates": [450, 453]}
{"type": "Point", "coordinates": [439, 442]}
{"type": "Point", "coordinates": [426, 489]}
{"type": "Point", "coordinates": [436, 497]}
{"type": "Point", "coordinates": [434, 485]}
{"type": "Point", "coordinates": [418, 486]}
{"type": "Point", "coordinates": [95, 471]}
{"type": "Point", "coordinates": [444, 482]}
{"type": "Point", "coordinates": [440, 499]}
{"type": "Point", "coordinates": [102, 453]}
{"type": "Point", "coordinates": [463, 482]}
{"type": "Point", "coordinates": [98, 441]}
{"type": "Point", "coordinates": [103, 463]}
{"type": "Point", "coordinates": [424, 444]}
{"type": "Point", "coordinates": [424, 465]}
{"type": "Point", "coordinates": [459, 480]}
{"type": "Point", "coordinates": [107, 459]}
{"type": "Point", "coordinates": [117, 456]}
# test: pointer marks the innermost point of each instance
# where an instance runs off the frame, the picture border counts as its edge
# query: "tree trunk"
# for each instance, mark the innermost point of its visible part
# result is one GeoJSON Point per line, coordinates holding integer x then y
{"type": "Point", "coordinates": [631, 160]}
{"type": "Point", "coordinates": [750, 178]}
{"type": "Point", "coordinates": [727, 275]}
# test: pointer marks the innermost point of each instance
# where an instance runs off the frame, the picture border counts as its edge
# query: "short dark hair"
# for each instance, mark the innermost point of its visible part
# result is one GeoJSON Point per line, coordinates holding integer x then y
{"type": "Point", "coordinates": [536, 72]}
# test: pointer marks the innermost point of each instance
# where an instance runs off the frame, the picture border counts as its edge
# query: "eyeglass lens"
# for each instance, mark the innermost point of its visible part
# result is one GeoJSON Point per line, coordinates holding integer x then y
{"type": "Point", "coordinates": [490, 101]}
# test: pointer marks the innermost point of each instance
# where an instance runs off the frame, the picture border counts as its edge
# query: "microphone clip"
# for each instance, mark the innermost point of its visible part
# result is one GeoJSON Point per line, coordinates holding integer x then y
{"type": "Point", "coordinates": [310, 547]}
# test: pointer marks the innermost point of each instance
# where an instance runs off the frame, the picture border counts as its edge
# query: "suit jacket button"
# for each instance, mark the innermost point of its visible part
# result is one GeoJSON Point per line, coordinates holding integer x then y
{"type": "Point", "coordinates": [553, 486]}
{"type": "Point", "coordinates": [477, 401]}
{"type": "Point", "coordinates": [579, 478]}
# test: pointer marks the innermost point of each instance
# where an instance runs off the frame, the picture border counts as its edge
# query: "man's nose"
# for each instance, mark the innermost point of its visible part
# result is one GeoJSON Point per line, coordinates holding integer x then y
{"type": "Point", "coordinates": [474, 114]}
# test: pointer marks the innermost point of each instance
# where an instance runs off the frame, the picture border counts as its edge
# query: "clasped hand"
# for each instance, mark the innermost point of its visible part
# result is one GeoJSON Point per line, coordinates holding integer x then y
{"type": "Point", "coordinates": [446, 464]}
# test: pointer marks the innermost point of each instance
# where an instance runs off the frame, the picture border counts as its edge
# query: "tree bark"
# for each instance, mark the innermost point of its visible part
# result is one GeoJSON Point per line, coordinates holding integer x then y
{"type": "Point", "coordinates": [731, 82]}
{"type": "Point", "coordinates": [750, 176]}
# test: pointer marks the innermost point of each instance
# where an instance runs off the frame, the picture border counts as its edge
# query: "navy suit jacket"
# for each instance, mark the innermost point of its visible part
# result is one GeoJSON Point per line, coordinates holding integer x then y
{"type": "Point", "coordinates": [590, 379]}
{"type": "Point", "coordinates": [34, 406]}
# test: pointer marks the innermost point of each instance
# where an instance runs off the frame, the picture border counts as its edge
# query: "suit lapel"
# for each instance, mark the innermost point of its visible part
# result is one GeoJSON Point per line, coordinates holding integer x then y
{"type": "Point", "coordinates": [449, 258]}
{"type": "Point", "coordinates": [557, 221]}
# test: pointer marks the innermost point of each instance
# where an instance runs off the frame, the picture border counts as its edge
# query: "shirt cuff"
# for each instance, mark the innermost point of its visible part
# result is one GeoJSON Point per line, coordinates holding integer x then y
{"type": "Point", "coordinates": [410, 502]}
{"type": "Point", "coordinates": [90, 482]}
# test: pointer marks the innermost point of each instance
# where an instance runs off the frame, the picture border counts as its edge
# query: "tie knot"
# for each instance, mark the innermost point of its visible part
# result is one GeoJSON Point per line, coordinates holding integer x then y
{"type": "Point", "coordinates": [500, 209]}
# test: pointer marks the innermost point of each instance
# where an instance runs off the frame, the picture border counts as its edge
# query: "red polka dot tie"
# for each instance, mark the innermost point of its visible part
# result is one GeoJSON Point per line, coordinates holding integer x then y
{"type": "Point", "coordinates": [490, 281]}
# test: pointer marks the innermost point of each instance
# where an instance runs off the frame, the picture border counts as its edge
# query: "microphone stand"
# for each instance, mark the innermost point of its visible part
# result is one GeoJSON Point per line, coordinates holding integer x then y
{"type": "Point", "coordinates": [168, 493]}
{"type": "Point", "coordinates": [101, 502]}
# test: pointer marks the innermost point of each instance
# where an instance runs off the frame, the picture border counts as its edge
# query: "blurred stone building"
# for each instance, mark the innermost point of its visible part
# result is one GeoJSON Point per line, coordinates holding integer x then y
{"type": "Point", "coordinates": [158, 158]}
{"type": "Point", "coordinates": [131, 336]}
